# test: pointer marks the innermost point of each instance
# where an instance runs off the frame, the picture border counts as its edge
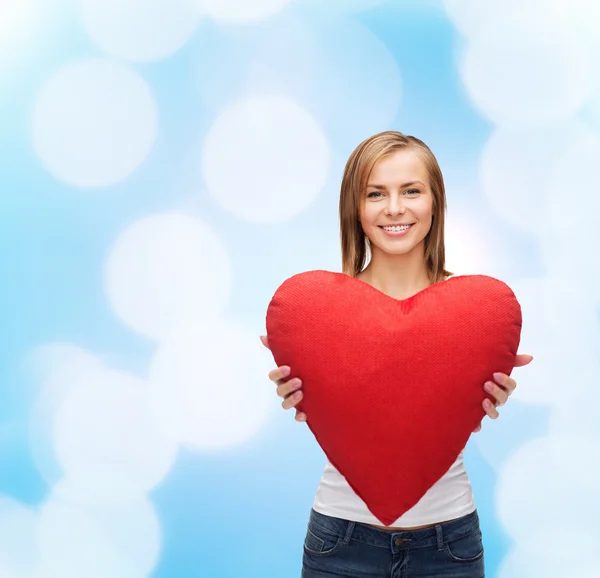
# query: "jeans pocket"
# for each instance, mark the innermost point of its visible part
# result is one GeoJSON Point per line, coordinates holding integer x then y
{"type": "Point", "coordinates": [466, 548]}
{"type": "Point", "coordinates": [321, 542]}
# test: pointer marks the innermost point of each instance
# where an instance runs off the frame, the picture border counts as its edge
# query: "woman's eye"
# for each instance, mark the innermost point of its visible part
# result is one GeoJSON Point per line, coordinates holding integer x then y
{"type": "Point", "coordinates": [412, 192]}
{"type": "Point", "coordinates": [373, 193]}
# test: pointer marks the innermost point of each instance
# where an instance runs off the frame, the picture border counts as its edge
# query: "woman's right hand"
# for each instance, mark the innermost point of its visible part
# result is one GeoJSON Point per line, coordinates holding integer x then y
{"type": "Point", "coordinates": [288, 389]}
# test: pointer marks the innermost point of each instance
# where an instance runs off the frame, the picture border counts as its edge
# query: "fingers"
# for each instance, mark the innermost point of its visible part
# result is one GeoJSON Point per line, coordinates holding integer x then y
{"type": "Point", "coordinates": [507, 382]}
{"type": "Point", "coordinates": [490, 409]}
{"type": "Point", "coordinates": [279, 374]}
{"type": "Point", "coordinates": [522, 360]}
{"type": "Point", "coordinates": [499, 393]}
{"type": "Point", "coordinates": [265, 341]}
{"type": "Point", "coordinates": [289, 390]}
{"type": "Point", "coordinates": [291, 393]}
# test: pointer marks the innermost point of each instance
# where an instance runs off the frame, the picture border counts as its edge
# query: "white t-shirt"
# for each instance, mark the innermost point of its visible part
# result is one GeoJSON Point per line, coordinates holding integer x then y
{"type": "Point", "coordinates": [449, 498]}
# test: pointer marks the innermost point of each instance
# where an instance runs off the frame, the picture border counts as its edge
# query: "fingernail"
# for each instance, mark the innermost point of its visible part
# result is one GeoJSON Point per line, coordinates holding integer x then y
{"type": "Point", "coordinates": [498, 376]}
{"type": "Point", "coordinates": [489, 386]}
{"type": "Point", "coordinates": [488, 403]}
{"type": "Point", "coordinates": [296, 383]}
{"type": "Point", "coordinates": [285, 371]}
{"type": "Point", "coordinates": [298, 395]}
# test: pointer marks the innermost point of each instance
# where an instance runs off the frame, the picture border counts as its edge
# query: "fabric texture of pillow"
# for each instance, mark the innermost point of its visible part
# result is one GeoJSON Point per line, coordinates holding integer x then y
{"type": "Point", "coordinates": [393, 389]}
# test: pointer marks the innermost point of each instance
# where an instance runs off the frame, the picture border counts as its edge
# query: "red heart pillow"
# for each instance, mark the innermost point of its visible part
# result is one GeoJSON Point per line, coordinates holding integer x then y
{"type": "Point", "coordinates": [393, 389]}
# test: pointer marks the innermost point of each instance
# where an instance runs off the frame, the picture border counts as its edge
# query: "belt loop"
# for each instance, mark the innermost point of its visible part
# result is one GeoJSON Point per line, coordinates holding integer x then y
{"type": "Point", "coordinates": [440, 537]}
{"type": "Point", "coordinates": [349, 530]}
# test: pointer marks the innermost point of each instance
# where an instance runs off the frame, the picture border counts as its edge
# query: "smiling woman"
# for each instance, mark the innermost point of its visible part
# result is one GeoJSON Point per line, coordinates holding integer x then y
{"type": "Point", "coordinates": [395, 185]}
{"type": "Point", "coordinates": [392, 209]}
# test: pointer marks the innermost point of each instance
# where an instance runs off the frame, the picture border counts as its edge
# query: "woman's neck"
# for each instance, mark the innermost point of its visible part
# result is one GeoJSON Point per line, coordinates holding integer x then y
{"type": "Point", "coordinates": [399, 276]}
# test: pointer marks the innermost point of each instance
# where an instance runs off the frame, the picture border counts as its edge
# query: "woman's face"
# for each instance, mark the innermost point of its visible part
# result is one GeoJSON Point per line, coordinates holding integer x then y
{"type": "Point", "coordinates": [396, 209]}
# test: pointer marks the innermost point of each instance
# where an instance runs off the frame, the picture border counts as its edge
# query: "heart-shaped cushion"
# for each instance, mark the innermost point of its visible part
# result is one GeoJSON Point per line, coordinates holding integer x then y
{"type": "Point", "coordinates": [393, 389]}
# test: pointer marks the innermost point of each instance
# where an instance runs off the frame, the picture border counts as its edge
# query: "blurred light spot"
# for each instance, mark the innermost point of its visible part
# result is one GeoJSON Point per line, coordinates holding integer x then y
{"type": "Point", "coordinates": [549, 479]}
{"type": "Point", "coordinates": [96, 486]}
{"type": "Point", "coordinates": [167, 271]}
{"type": "Point", "coordinates": [560, 330]}
{"type": "Point", "coordinates": [107, 423]}
{"type": "Point", "coordinates": [470, 15]}
{"type": "Point", "coordinates": [117, 540]}
{"type": "Point", "coordinates": [57, 369]}
{"type": "Point", "coordinates": [16, 16]}
{"type": "Point", "coordinates": [94, 123]}
{"type": "Point", "coordinates": [575, 256]}
{"type": "Point", "coordinates": [576, 170]}
{"type": "Point", "coordinates": [18, 545]}
{"type": "Point", "coordinates": [576, 417]}
{"type": "Point", "coordinates": [337, 6]}
{"type": "Point", "coordinates": [323, 64]}
{"type": "Point", "coordinates": [539, 75]}
{"type": "Point", "coordinates": [140, 30]}
{"type": "Point", "coordinates": [584, 17]}
{"type": "Point", "coordinates": [571, 237]}
{"type": "Point", "coordinates": [516, 171]}
{"type": "Point", "coordinates": [11, 15]}
{"type": "Point", "coordinates": [210, 386]}
{"type": "Point", "coordinates": [534, 557]}
{"type": "Point", "coordinates": [467, 251]}
{"type": "Point", "coordinates": [241, 10]}
{"type": "Point", "coordinates": [499, 438]}
{"type": "Point", "coordinates": [265, 159]}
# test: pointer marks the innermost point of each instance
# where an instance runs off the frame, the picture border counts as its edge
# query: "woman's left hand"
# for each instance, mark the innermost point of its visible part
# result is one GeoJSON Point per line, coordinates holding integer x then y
{"type": "Point", "coordinates": [501, 388]}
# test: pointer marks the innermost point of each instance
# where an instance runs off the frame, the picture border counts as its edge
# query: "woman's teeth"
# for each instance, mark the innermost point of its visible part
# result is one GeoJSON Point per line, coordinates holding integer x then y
{"type": "Point", "coordinates": [396, 228]}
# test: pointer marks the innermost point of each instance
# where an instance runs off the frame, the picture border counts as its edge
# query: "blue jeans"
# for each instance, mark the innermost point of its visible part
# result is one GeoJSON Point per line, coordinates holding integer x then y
{"type": "Point", "coordinates": [336, 547]}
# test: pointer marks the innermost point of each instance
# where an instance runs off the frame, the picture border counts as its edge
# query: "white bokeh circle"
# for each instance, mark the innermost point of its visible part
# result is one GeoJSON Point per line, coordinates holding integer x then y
{"type": "Point", "coordinates": [139, 30]}
{"type": "Point", "coordinates": [571, 236]}
{"type": "Point", "coordinates": [537, 77]}
{"type": "Point", "coordinates": [57, 368]}
{"type": "Point", "coordinates": [94, 123]}
{"type": "Point", "coordinates": [575, 257]}
{"type": "Point", "coordinates": [468, 247]}
{"type": "Point", "coordinates": [470, 15]}
{"type": "Point", "coordinates": [166, 271]}
{"type": "Point", "coordinates": [208, 386]}
{"type": "Point", "coordinates": [335, 68]}
{"type": "Point", "coordinates": [19, 552]}
{"type": "Point", "coordinates": [548, 479]}
{"type": "Point", "coordinates": [234, 11]}
{"type": "Point", "coordinates": [561, 331]}
{"type": "Point", "coordinates": [532, 556]}
{"type": "Point", "coordinates": [576, 170]}
{"type": "Point", "coordinates": [499, 438]}
{"type": "Point", "coordinates": [584, 17]}
{"type": "Point", "coordinates": [17, 27]}
{"type": "Point", "coordinates": [107, 423]}
{"type": "Point", "coordinates": [121, 539]}
{"type": "Point", "coordinates": [516, 170]}
{"type": "Point", "coordinates": [265, 159]}
{"type": "Point", "coordinates": [337, 6]}
{"type": "Point", "coordinates": [574, 417]}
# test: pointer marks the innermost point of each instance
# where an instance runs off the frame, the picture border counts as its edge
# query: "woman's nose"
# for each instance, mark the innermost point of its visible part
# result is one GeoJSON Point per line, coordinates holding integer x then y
{"type": "Point", "coordinates": [395, 206]}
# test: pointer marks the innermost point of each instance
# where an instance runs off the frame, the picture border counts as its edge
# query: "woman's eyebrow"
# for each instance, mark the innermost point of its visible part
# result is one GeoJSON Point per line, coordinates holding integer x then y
{"type": "Point", "coordinates": [374, 186]}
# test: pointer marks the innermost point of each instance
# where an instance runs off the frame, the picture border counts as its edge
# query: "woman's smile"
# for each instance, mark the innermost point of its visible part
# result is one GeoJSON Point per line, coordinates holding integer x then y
{"type": "Point", "coordinates": [396, 230]}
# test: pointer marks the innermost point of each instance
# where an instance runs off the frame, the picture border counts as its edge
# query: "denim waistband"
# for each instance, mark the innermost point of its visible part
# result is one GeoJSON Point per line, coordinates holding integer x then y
{"type": "Point", "coordinates": [423, 538]}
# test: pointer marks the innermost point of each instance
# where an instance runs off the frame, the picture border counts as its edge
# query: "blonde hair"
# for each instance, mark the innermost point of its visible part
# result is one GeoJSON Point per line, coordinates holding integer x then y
{"type": "Point", "coordinates": [356, 174]}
